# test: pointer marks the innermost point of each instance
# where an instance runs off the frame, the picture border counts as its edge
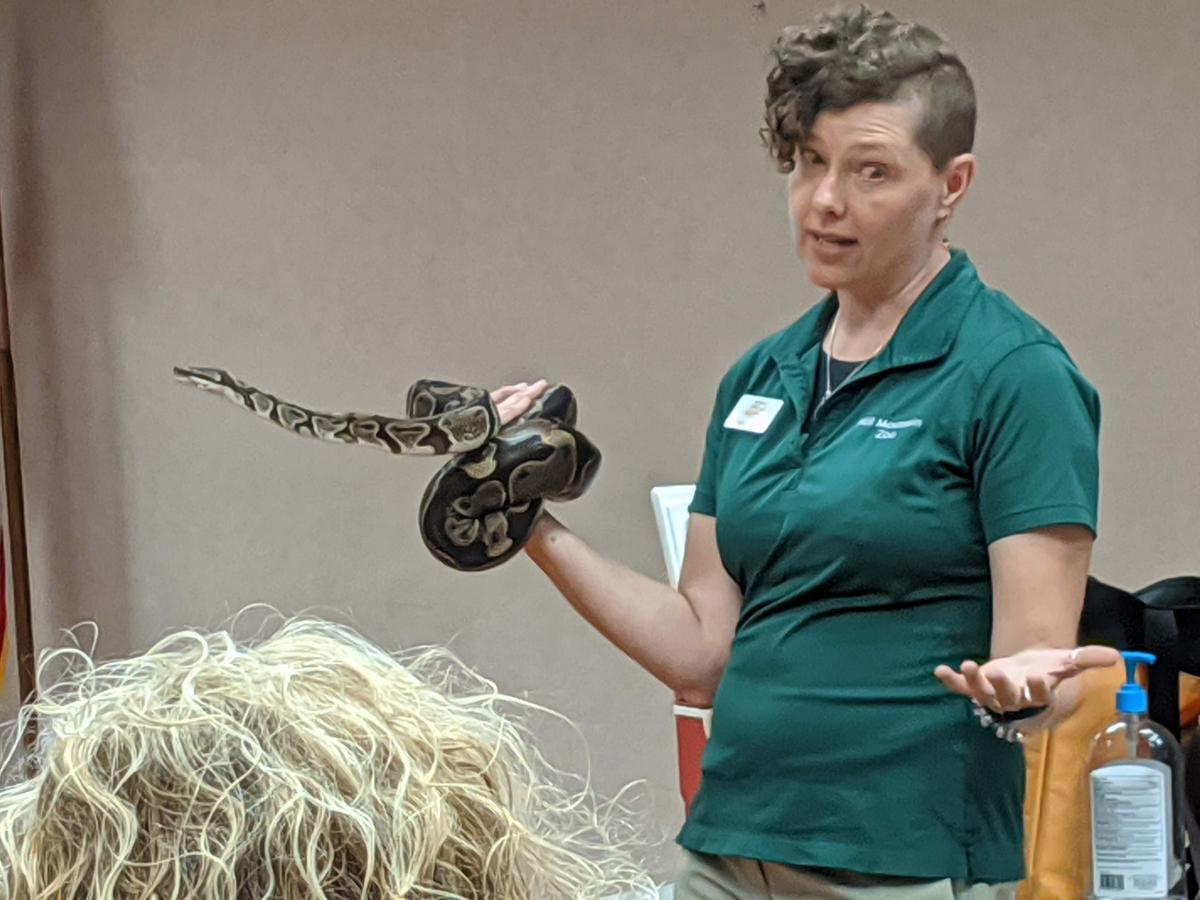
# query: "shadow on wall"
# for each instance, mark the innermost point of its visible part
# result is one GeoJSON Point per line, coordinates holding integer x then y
{"type": "Point", "coordinates": [68, 220]}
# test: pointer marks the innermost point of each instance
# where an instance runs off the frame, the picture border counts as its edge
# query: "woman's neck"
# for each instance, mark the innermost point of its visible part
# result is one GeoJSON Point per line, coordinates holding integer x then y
{"type": "Point", "coordinates": [867, 319]}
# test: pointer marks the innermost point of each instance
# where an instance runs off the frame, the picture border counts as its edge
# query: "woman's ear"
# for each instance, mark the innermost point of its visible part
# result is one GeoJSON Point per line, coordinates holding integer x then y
{"type": "Point", "coordinates": [956, 177]}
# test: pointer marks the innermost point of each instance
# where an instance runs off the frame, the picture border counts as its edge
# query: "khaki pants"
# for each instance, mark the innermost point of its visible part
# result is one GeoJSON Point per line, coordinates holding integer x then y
{"type": "Point", "coordinates": [704, 877]}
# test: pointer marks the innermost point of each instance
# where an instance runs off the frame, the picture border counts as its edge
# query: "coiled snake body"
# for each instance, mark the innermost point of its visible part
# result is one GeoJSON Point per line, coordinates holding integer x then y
{"type": "Point", "coordinates": [480, 508]}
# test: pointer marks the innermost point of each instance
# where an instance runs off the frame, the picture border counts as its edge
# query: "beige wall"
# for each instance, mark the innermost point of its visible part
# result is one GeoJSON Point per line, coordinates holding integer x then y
{"type": "Point", "coordinates": [333, 199]}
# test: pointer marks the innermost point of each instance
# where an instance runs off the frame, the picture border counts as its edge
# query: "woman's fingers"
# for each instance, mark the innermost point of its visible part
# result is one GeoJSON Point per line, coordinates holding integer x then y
{"type": "Point", "coordinates": [1081, 659]}
{"type": "Point", "coordinates": [1039, 689]}
{"type": "Point", "coordinates": [501, 394]}
{"type": "Point", "coordinates": [1008, 690]}
{"type": "Point", "coordinates": [980, 686]}
{"type": "Point", "coordinates": [969, 681]}
{"type": "Point", "coordinates": [994, 687]}
{"type": "Point", "coordinates": [1091, 657]}
{"type": "Point", "coordinates": [522, 387]}
{"type": "Point", "coordinates": [512, 406]}
{"type": "Point", "coordinates": [514, 400]}
{"type": "Point", "coordinates": [952, 680]}
{"type": "Point", "coordinates": [1025, 680]}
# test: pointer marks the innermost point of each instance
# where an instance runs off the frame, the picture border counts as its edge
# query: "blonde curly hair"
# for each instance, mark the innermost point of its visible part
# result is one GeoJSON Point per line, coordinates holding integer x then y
{"type": "Point", "coordinates": [311, 764]}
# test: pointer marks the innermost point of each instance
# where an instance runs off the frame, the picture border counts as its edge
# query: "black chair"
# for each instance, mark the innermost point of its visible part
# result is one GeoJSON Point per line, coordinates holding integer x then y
{"type": "Point", "coordinates": [1191, 773]}
{"type": "Point", "coordinates": [1163, 619]}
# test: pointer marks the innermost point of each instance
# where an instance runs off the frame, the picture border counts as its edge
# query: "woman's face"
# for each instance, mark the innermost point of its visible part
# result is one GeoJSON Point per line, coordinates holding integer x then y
{"type": "Point", "coordinates": [864, 199]}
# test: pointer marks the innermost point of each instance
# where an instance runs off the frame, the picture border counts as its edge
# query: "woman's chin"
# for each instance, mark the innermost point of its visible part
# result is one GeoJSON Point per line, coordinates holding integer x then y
{"type": "Point", "coordinates": [823, 276]}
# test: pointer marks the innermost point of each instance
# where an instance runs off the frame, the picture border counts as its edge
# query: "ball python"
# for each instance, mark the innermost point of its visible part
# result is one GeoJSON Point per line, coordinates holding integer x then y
{"type": "Point", "coordinates": [480, 508]}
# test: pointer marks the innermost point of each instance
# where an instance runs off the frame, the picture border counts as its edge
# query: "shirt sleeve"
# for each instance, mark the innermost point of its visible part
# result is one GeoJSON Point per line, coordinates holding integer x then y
{"type": "Point", "coordinates": [705, 499]}
{"type": "Point", "coordinates": [1036, 444]}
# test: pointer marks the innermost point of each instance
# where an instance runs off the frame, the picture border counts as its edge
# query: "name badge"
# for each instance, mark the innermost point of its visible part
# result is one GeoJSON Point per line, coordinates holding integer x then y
{"type": "Point", "coordinates": [753, 413]}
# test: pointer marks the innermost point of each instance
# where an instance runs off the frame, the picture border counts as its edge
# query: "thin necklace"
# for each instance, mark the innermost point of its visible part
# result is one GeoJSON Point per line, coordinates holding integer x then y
{"type": "Point", "coordinates": [829, 389]}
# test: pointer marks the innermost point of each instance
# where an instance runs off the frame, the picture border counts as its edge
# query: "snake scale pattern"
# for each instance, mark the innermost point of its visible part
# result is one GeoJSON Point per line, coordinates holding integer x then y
{"type": "Point", "coordinates": [481, 506]}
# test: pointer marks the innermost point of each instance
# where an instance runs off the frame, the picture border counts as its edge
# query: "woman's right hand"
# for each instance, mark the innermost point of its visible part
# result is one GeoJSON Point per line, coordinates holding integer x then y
{"type": "Point", "coordinates": [514, 400]}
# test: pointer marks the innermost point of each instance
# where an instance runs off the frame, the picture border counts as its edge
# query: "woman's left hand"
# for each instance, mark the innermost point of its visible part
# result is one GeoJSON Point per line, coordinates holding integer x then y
{"type": "Point", "coordinates": [1024, 680]}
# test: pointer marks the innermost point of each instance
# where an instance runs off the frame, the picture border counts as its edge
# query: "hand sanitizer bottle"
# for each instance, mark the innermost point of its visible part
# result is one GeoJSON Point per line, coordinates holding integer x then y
{"type": "Point", "coordinates": [1135, 781]}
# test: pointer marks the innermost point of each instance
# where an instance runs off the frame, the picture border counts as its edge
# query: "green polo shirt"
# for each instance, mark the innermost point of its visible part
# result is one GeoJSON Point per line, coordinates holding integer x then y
{"type": "Point", "coordinates": [858, 537]}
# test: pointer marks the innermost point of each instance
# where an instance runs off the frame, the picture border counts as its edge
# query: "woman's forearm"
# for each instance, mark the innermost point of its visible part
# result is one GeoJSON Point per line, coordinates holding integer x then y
{"type": "Point", "coordinates": [650, 621]}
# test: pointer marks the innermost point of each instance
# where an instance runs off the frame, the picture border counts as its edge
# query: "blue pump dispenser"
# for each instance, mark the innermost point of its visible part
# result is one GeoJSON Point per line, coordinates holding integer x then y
{"type": "Point", "coordinates": [1131, 698]}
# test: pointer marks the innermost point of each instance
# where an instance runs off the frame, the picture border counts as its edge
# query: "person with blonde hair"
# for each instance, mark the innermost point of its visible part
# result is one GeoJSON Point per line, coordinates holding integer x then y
{"type": "Point", "coordinates": [310, 764]}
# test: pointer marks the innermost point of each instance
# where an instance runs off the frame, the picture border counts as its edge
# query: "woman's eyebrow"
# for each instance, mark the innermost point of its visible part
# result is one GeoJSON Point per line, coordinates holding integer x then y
{"type": "Point", "coordinates": [872, 147]}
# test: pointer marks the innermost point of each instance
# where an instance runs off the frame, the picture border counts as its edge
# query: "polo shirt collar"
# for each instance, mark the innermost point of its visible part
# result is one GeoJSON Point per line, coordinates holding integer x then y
{"type": "Point", "coordinates": [925, 334]}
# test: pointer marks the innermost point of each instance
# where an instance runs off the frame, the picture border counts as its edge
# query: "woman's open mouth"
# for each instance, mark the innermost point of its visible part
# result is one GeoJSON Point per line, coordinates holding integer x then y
{"type": "Point", "coordinates": [832, 240]}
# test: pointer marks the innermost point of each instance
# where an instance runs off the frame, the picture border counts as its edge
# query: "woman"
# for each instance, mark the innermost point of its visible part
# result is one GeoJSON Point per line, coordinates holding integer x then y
{"type": "Point", "coordinates": [900, 484]}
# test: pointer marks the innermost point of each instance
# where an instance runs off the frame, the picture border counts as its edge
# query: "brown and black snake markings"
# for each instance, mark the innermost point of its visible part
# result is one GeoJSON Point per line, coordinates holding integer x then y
{"type": "Point", "coordinates": [481, 506]}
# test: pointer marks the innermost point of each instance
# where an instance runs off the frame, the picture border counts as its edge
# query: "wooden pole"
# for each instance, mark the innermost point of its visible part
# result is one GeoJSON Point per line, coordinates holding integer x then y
{"type": "Point", "coordinates": [22, 633]}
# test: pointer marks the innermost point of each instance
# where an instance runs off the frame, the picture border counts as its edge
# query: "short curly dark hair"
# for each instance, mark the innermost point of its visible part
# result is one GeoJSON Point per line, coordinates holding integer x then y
{"type": "Point", "coordinates": [853, 56]}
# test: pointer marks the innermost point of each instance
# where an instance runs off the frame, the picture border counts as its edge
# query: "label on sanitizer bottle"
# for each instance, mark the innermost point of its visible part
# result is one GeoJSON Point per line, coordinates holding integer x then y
{"type": "Point", "coordinates": [1131, 821]}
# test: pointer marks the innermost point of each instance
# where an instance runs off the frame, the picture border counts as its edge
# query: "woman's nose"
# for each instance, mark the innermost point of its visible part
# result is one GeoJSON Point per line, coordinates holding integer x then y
{"type": "Point", "coordinates": [828, 195]}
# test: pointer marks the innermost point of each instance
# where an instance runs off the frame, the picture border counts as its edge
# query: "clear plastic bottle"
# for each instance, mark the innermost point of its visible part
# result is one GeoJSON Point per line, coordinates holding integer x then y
{"type": "Point", "coordinates": [1135, 792]}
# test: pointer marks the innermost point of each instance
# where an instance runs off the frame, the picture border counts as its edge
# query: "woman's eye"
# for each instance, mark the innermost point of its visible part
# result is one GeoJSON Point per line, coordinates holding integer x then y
{"type": "Point", "coordinates": [808, 158]}
{"type": "Point", "coordinates": [874, 172]}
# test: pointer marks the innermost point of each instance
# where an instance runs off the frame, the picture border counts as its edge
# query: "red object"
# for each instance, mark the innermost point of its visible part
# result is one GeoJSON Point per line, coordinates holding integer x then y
{"type": "Point", "coordinates": [691, 735]}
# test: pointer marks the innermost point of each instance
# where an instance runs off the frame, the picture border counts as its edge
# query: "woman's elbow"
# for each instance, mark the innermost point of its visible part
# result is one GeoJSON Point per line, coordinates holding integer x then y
{"type": "Point", "coordinates": [696, 685]}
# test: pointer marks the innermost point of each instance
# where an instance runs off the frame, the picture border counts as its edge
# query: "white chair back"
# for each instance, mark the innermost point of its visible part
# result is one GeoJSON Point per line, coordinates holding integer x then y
{"type": "Point", "coordinates": [670, 504]}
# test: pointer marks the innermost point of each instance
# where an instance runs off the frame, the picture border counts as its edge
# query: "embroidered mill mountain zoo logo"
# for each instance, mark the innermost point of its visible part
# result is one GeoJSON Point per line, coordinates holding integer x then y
{"type": "Point", "coordinates": [888, 429]}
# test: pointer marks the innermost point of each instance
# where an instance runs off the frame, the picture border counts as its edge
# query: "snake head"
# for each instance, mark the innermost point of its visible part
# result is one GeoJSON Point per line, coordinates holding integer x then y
{"type": "Point", "coordinates": [218, 381]}
{"type": "Point", "coordinates": [207, 378]}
